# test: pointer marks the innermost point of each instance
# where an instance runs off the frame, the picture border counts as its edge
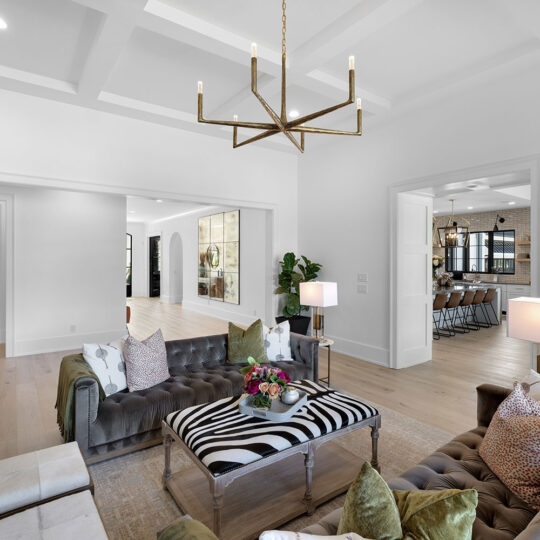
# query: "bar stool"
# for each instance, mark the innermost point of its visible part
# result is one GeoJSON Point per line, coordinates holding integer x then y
{"type": "Point", "coordinates": [477, 301]}
{"type": "Point", "coordinates": [487, 303]}
{"type": "Point", "coordinates": [465, 306]}
{"type": "Point", "coordinates": [453, 304]}
{"type": "Point", "coordinates": [438, 305]}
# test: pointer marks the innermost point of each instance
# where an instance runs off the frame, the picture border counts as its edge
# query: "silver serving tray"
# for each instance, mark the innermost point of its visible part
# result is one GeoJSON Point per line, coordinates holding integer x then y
{"type": "Point", "coordinates": [278, 412]}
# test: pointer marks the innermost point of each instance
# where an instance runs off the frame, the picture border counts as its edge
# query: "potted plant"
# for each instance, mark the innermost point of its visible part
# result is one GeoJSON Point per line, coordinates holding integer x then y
{"type": "Point", "coordinates": [293, 272]}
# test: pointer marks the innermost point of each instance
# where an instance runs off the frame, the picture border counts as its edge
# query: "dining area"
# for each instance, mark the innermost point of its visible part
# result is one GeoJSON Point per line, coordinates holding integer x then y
{"type": "Point", "coordinates": [463, 308]}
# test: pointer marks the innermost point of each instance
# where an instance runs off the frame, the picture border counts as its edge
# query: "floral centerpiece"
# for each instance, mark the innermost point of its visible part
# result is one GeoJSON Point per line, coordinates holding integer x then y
{"type": "Point", "coordinates": [264, 383]}
{"type": "Point", "coordinates": [437, 263]}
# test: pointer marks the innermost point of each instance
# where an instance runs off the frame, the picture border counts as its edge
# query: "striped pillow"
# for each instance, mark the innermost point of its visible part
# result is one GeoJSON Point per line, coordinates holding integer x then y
{"type": "Point", "coordinates": [146, 362]}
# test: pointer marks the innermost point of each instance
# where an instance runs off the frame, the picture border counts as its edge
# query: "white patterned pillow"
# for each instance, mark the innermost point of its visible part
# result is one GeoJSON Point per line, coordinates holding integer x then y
{"type": "Point", "coordinates": [288, 535]}
{"type": "Point", "coordinates": [277, 342]}
{"type": "Point", "coordinates": [107, 362]}
{"type": "Point", "coordinates": [146, 362]}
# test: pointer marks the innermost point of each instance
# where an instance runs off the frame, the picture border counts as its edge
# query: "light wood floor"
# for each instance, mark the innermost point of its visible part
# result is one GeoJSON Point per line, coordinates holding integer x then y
{"type": "Point", "coordinates": [440, 393]}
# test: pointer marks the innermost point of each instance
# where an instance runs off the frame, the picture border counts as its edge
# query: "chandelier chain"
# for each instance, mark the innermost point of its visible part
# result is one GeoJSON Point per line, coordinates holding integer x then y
{"type": "Point", "coordinates": [284, 28]}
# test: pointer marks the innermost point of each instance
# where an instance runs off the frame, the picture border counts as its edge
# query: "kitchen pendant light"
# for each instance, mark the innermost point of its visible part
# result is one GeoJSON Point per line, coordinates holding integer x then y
{"type": "Point", "coordinates": [280, 123]}
{"type": "Point", "coordinates": [454, 235]}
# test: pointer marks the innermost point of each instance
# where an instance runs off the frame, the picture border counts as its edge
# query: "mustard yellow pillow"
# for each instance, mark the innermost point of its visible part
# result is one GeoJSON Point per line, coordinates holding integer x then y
{"type": "Point", "coordinates": [373, 510]}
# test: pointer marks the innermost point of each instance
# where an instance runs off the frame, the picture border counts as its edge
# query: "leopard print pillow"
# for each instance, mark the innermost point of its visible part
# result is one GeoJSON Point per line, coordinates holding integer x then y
{"type": "Point", "coordinates": [511, 446]}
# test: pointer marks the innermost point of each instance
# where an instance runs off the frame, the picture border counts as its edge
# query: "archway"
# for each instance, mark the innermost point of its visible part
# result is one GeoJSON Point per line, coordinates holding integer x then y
{"type": "Point", "coordinates": [176, 269]}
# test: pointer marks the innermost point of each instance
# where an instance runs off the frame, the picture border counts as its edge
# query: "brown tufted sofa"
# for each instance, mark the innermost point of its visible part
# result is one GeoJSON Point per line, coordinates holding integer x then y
{"type": "Point", "coordinates": [500, 514]}
{"type": "Point", "coordinates": [127, 421]}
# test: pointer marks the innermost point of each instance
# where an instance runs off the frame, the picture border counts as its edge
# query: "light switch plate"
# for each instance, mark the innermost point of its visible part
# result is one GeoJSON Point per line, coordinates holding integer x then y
{"type": "Point", "coordinates": [362, 289]}
{"type": "Point", "coordinates": [362, 278]}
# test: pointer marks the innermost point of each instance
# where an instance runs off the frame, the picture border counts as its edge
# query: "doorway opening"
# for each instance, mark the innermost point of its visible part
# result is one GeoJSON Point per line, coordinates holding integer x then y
{"type": "Point", "coordinates": [495, 210]}
{"type": "Point", "coordinates": [154, 271]}
{"type": "Point", "coordinates": [3, 268]}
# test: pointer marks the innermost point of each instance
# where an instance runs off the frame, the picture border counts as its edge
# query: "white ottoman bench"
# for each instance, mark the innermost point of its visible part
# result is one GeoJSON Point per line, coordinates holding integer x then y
{"type": "Point", "coordinates": [38, 477]}
{"type": "Point", "coordinates": [73, 516]}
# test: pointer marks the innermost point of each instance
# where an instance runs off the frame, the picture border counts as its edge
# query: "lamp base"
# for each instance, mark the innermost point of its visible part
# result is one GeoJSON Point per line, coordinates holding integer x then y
{"type": "Point", "coordinates": [318, 323]}
{"type": "Point", "coordinates": [538, 363]}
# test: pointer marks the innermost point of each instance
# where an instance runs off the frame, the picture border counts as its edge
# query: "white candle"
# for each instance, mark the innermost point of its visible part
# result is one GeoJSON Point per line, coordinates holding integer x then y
{"type": "Point", "coordinates": [351, 62]}
{"type": "Point", "coordinates": [253, 50]}
{"type": "Point", "coordinates": [358, 103]}
{"type": "Point", "coordinates": [235, 118]}
{"type": "Point", "coordinates": [199, 84]}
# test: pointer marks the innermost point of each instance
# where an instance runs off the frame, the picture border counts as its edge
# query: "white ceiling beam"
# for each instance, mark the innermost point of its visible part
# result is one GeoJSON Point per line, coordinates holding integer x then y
{"type": "Point", "coordinates": [362, 21]}
{"type": "Point", "coordinates": [112, 36]}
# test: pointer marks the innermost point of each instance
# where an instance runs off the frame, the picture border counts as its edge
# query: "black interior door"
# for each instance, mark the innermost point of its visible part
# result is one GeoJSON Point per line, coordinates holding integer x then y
{"type": "Point", "coordinates": [155, 266]}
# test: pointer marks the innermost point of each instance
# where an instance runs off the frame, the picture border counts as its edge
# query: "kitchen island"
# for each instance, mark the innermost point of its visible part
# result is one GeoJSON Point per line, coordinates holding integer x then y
{"type": "Point", "coordinates": [463, 287]}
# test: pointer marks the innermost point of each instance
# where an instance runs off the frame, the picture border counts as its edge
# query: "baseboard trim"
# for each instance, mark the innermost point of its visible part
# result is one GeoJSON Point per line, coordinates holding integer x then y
{"type": "Point", "coordinates": [64, 343]}
{"type": "Point", "coordinates": [219, 312]}
{"type": "Point", "coordinates": [362, 351]}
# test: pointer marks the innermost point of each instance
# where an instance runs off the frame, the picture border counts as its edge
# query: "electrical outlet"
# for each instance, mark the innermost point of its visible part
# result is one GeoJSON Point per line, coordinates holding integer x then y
{"type": "Point", "coordinates": [362, 278]}
{"type": "Point", "coordinates": [362, 289]}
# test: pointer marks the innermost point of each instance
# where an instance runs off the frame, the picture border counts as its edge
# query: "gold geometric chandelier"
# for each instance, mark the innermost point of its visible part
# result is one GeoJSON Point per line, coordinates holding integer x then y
{"type": "Point", "coordinates": [280, 123]}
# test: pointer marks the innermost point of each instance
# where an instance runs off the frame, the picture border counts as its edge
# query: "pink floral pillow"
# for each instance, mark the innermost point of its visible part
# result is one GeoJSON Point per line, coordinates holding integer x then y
{"type": "Point", "coordinates": [511, 447]}
{"type": "Point", "coordinates": [146, 362]}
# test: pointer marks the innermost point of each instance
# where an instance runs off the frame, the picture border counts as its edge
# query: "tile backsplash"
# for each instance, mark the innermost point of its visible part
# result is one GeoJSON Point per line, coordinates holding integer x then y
{"type": "Point", "coordinates": [518, 219]}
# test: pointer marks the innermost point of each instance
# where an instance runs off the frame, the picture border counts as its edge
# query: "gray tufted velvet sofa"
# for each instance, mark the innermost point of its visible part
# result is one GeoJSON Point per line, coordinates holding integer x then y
{"type": "Point", "coordinates": [500, 514]}
{"type": "Point", "coordinates": [127, 421]}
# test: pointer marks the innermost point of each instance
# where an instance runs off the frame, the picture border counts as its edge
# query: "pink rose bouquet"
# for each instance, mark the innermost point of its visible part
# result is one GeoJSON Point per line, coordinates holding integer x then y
{"type": "Point", "coordinates": [263, 382]}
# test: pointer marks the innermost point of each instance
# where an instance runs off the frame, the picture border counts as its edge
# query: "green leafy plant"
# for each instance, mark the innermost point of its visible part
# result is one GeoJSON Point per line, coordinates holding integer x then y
{"type": "Point", "coordinates": [293, 272]}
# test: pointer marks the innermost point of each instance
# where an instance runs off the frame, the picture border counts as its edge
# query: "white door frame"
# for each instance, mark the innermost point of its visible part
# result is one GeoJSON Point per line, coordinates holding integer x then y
{"type": "Point", "coordinates": [9, 262]}
{"type": "Point", "coordinates": [531, 164]}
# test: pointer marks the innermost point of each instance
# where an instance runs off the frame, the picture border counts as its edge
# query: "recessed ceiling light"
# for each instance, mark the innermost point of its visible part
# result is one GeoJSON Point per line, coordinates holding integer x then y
{"type": "Point", "coordinates": [294, 113]}
{"type": "Point", "coordinates": [132, 211]}
{"type": "Point", "coordinates": [159, 200]}
{"type": "Point", "coordinates": [511, 203]}
{"type": "Point", "coordinates": [470, 207]}
{"type": "Point", "coordinates": [3, 24]}
{"type": "Point", "coordinates": [435, 211]}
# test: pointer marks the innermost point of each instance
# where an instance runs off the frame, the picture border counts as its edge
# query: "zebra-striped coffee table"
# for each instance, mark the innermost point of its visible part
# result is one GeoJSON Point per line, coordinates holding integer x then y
{"type": "Point", "coordinates": [227, 445]}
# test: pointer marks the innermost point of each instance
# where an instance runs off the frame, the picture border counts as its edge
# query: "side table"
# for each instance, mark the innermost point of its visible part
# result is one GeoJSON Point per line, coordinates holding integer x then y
{"type": "Point", "coordinates": [326, 343]}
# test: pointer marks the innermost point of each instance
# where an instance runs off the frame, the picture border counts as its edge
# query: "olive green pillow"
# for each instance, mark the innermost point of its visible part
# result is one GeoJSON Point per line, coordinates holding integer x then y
{"type": "Point", "coordinates": [245, 343]}
{"type": "Point", "coordinates": [187, 529]}
{"type": "Point", "coordinates": [373, 510]}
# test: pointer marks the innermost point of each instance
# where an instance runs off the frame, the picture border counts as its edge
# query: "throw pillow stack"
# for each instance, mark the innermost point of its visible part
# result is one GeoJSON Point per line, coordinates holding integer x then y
{"type": "Point", "coordinates": [128, 363]}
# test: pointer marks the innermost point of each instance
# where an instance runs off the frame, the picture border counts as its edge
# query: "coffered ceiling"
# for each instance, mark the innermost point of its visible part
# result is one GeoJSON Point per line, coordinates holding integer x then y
{"type": "Point", "coordinates": [143, 58]}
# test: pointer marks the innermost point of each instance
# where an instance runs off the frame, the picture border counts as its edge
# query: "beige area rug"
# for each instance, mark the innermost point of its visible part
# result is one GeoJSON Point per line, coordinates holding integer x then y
{"type": "Point", "coordinates": [133, 504]}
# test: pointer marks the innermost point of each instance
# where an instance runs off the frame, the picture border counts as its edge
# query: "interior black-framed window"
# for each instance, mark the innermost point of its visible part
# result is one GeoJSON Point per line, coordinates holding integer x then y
{"type": "Point", "coordinates": [129, 263]}
{"type": "Point", "coordinates": [504, 252]}
{"type": "Point", "coordinates": [487, 252]}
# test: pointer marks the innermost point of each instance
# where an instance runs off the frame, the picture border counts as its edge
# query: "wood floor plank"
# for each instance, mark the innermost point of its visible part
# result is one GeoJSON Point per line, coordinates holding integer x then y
{"type": "Point", "coordinates": [440, 393]}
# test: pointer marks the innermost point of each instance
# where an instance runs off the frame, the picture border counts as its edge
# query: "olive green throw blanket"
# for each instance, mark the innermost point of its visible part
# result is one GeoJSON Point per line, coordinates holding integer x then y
{"type": "Point", "coordinates": [72, 368]}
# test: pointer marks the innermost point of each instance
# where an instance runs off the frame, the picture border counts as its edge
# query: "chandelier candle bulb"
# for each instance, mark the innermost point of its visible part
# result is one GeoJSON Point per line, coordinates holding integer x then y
{"type": "Point", "coordinates": [253, 50]}
{"type": "Point", "coordinates": [235, 118]}
{"type": "Point", "coordinates": [359, 103]}
{"type": "Point", "coordinates": [199, 87]}
{"type": "Point", "coordinates": [351, 62]}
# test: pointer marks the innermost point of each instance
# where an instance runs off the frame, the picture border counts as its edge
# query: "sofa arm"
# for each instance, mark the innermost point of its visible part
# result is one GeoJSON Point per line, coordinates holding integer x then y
{"type": "Point", "coordinates": [305, 349]}
{"type": "Point", "coordinates": [489, 397]}
{"type": "Point", "coordinates": [86, 409]}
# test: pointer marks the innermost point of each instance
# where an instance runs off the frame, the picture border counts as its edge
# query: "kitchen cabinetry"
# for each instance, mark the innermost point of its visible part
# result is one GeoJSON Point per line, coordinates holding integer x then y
{"type": "Point", "coordinates": [513, 291]}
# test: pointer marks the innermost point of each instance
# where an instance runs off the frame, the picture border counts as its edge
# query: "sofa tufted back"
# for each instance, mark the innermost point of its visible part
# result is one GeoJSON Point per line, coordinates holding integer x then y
{"type": "Point", "coordinates": [197, 353]}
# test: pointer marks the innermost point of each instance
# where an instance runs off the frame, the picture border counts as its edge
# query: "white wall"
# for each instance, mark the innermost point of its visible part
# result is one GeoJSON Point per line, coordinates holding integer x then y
{"type": "Point", "coordinates": [253, 265]}
{"type": "Point", "coordinates": [2, 272]}
{"type": "Point", "coordinates": [139, 272]}
{"type": "Point", "coordinates": [69, 269]}
{"type": "Point", "coordinates": [344, 187]}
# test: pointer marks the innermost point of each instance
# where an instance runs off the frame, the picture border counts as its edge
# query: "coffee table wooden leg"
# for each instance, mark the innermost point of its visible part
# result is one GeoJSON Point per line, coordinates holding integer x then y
{"type": "Point", "coordinates": [167, 441]}
{"type": "Point", "coordinates": [374, 446]}
{"type": "Point", "coordinates": [217, 499]}
{"type": "Point", "coordinates": [308, 464]}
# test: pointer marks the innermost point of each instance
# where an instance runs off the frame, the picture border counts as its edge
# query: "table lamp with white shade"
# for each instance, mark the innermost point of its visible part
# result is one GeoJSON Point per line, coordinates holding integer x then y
{"type": "Point", "coordinates": [524, 320]}
{"type": "Point", "coordinates": [318, 294]}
